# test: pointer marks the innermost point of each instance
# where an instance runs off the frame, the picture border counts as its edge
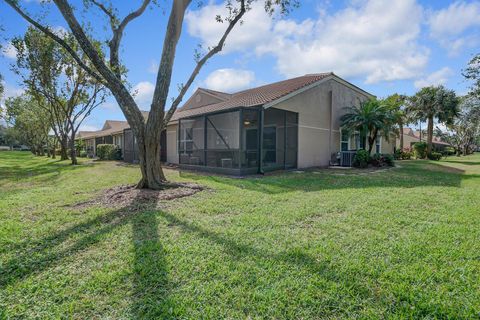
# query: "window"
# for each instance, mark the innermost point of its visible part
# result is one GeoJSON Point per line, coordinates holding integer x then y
{"type": "Point", "coordinates": [378, 144]}
{"type": "Point", "coordinates": [344, 138]}
{"type": "Point", "coordinates": [360, 139]}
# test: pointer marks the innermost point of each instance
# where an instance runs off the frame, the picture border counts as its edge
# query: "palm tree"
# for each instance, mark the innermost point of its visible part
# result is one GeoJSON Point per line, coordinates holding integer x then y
{"type": "Point", "coordinates": [432, 103]}
{"type": "Point", "coordinates": [396, 104]}
{"type": "Point", "coordinates": [369, 118]}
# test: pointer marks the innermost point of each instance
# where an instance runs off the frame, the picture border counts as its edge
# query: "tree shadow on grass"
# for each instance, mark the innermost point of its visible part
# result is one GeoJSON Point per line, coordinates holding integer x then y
{"type": "Point", "coordinates": [150, 289]}
{"type": "Point", "coordinates": [411, 175]}
{"type": "Point", "coordinates": [21, 172]}
{"type": "Point", "coordinates": [467, 163]}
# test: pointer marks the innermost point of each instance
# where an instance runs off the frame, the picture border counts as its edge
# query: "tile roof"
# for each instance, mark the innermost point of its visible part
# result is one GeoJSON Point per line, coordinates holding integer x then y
{"type": "Point", "coordinates": [255, 96]}
{"type": "Point", "coordinates": [110, 127]}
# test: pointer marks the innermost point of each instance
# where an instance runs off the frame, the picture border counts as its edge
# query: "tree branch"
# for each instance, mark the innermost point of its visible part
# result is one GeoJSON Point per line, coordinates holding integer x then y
{"type": "Point", "coordinates": [202, 61]}
{"type": "Point", "coordinates": [114, 44]}
{"type": "Point", "coordinates": [56, 38]}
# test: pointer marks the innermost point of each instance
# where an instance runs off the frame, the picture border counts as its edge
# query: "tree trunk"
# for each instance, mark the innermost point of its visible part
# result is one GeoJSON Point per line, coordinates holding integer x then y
{"type": "Point", "coordinates": [149, 158]}
{"type": "Point", "coordinates": [63, 148]}
{"type": "Point", "coordinates": [54, 156]}
{"type": "Point", "coordinates": [73, 152]}
{"type": "Point", "coordinates": [429, 135]}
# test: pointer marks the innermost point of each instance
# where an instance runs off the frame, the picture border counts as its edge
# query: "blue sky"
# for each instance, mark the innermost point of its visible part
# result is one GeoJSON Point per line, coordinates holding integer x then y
{"type": "Point", "coordinates": [384, 47]}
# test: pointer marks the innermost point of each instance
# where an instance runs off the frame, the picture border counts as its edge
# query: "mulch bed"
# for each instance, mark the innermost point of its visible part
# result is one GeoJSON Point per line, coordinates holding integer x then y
{"type": "Point", "coordinates": [131, 198]}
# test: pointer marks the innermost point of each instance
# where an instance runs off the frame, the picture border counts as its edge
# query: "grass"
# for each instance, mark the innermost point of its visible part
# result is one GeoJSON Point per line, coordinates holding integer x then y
{"type": "Point", "coordinates": [401, 243]}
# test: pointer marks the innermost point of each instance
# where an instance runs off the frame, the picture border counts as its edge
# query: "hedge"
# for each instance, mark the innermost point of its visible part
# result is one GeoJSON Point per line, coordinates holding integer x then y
{"type": "Point", "coordinates": [109, 152]}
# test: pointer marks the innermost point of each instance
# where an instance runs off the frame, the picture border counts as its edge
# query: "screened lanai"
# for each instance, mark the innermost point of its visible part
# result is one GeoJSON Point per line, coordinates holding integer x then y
{"type": "Point", "coordinates": [235, 141]}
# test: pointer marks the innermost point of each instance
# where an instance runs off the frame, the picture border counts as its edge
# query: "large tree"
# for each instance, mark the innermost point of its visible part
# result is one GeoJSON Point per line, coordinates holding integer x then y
{"type": "Point", "coordinates": [109, 71]}
{"type": "Point", "coordinates": [50, 74]}
{"type": "Point", "coordinates": [434, 103]}
{"type": "Point", "coordinates": [472, 73]}
{"type": "Point", "coordinates": [371, 118]}
{"type": "Point", "coordinates": [464, 131]}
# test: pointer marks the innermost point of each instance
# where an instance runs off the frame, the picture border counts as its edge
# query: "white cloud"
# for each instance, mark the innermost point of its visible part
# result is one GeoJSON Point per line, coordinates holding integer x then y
{"type": "Point", "coordinates": [254, 29]}
{"type": "Point", "coordinates": [229, 80]}
{"type": "Point", "coordinates": [143, 93]}
{"type": "Point", "coordinates": [439, 77]}
{"type": "Point", "coordinates": [375, 40]}
{"type": "Point", "coordinates": [9, 51]}
{"type": "Point", "coordinates": [448, 25]}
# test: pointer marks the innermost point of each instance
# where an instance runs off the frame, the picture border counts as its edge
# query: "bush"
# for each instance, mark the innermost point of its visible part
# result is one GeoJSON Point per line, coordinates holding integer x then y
{"type": "Point", "coordinates": [109, 152]}
{"type": "Point", "coordinates": [420, 150]}
{"type": "Point", "coordinates": [388, 159]}
{"type": "Point", "coordinates": [405, 154]}
{"type": "Point", "coordinates": [381, 160]}
{"type": "Point", "coordinates": [361, 159]}
{"type": "Point", "coordinates": [449, 151]}
{"type": "Point", "coordinates": [435, 156]}
{"type": "Point", "coordinates": [83, 154]}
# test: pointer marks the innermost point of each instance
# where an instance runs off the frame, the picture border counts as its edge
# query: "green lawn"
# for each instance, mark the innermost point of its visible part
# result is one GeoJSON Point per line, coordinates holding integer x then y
{"type": "Point", "coordinates": [400, 243]}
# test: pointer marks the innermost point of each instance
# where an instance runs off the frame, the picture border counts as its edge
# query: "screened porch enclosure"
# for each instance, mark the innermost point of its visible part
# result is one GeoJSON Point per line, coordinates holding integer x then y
{"type": "Point", "coordinates": [233, 142]}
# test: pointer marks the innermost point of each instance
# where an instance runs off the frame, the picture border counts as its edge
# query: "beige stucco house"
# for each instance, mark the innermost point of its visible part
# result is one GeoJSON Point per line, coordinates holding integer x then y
{"type": "Point", "coordinates": [411, 136]}
{"type": "Point", "coordinates": [293, 123]}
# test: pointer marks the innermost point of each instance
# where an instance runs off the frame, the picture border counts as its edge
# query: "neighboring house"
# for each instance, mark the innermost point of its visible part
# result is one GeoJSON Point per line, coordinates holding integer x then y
{"type": "Point", "coordinates": [411, 136]}
{"type": "Point", "coordinates": [288, 124]}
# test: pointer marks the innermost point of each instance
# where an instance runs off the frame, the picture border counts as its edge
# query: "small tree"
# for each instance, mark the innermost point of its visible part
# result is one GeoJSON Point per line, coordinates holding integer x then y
{"type": "Point", "coordinates": [29, 121]}
{"type": "Point", "coordinates": [56, 80]}
{"type": "Point", "coordinates": [370, 118]}
{"type": "Point", "coordinates": [110, 71]}
{"type": "Point", "coordinates": [434, 103]}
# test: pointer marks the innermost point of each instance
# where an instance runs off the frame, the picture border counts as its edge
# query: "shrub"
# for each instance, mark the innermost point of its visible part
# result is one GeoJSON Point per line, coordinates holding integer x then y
{"type": "Point", "coordinates": [83, 154]}
{"type": "Point", "coordinates": [405, 154]}
{"type": "Point", "coordinates": [420, 150]}
{"type": "Point", "coordinates": [381, 160]}
{"type": "Point", "coordinates": [108, 152]}
{"type": "Point", "coordinates": [435, 156]}
{"type": "Point", "coordinates": [361, 159]}
{"type": "Point", "coordinates": [449, 151]}
{"type": "Point", "coordinates": [376, 160]}
{"type": "Point", "coordinates": [388, 159]}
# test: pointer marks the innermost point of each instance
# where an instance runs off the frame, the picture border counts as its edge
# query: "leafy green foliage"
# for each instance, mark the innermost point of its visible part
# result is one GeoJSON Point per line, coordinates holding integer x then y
{"type": "Point", "coordinates": [361, 159]}
{"type": "Point", "coordinates": [434, 156]}
{"type": "Point", "coordinates": [420, 150]}
{"type": "Point", "coordinates": [472, 73]}
{"type": "Point", "coordinates": [432, 103]}
{"type": "Point", "coordinates": [405, 154]}
{"type": "Point", "coordinates": [371, 117]}
{"type": "Point", "coordinates": [380, 160]}
{"type": "Point", "coordinates": [108, 152]}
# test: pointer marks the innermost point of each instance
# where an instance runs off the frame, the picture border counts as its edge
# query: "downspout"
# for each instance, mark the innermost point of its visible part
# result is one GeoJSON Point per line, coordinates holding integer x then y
{"type": "Point", "coordinates": [260, 142]}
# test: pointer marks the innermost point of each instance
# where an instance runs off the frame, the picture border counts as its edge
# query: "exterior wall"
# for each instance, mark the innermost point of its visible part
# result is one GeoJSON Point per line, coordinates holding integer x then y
{"type": "Point", "coordinates": [387, 146]}
{"type": "Point", "coordinates": [172, 143]}
{"type": "Point", "coordinates": [200, 99]}
{"type": "Point", "coordinates": [319, 110]}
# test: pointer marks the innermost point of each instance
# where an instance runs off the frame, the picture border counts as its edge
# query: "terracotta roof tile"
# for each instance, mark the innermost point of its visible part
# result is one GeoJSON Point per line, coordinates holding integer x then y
{"type": "Point", "coordinates": [255, 96]}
